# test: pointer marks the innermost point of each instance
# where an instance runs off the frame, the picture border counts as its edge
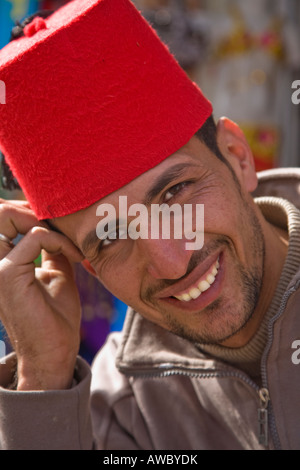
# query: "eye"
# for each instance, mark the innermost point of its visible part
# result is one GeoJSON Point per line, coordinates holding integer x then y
{"type": "Point", "coordinates": [174, 190]}
{"type": "Point", "coordinates": [114, 236]}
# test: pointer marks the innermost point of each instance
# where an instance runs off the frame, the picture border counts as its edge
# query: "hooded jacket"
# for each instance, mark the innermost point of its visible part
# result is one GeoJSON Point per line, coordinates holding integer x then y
{"type": "Point", "coordinates": [152, 390]}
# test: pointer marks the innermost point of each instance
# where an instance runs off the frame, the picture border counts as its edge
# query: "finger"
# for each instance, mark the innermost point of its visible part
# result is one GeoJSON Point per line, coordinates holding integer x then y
{"type": "Point", "coordinates": [5, 246]}
{"type": "Point", "coordinates": [57, 262]}
{"type": "Point", "coordinates": [16, 219]}
{"type": "Point", "coordinates": [24, 205]}
{"type": "Point", "coordinates": [38, 239]}
{"type": "Point", "coordinates": [19, 202]}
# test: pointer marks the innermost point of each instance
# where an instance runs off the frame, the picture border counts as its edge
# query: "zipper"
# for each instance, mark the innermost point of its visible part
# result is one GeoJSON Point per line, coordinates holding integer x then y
{"type": "Point", "coordinates": [271, 417]}
{"type": "Point", "coordinates": [263, 393]}
{"type": "Point", "coordinates": [263, 427]}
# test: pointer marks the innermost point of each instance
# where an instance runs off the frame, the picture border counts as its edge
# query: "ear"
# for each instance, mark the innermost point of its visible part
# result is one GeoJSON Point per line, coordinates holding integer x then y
{"type": "Point", "coordinates": [235, 148]}
{"type": "Point", "coordinates": [87, 266]}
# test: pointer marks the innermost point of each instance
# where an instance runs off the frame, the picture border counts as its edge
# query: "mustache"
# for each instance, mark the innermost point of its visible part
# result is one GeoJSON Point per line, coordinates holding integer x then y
{"type": "Point", "coordinates": [197, 258]}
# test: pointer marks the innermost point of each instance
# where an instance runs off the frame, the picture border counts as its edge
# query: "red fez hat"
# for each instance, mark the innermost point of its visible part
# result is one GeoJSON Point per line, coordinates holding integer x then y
{"type": "Point", "coordinates": [93, 100]}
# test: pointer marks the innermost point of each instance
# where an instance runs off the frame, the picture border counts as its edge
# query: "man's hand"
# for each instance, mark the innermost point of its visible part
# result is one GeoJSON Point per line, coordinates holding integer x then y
{"type": "Point", "coordinates": [39, 307]}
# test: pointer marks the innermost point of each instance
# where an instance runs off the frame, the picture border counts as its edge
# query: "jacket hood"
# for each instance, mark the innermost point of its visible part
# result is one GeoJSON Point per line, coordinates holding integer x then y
{"type": "Point", "coordinates": [281, 182]}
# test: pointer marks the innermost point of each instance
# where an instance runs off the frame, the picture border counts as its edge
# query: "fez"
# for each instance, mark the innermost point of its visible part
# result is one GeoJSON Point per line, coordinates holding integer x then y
{"type": "Point", "coordinates": [93, 100]}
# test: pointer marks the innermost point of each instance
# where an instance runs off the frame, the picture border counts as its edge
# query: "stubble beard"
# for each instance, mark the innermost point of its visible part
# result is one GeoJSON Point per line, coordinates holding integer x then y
{"type": "Point", "coordinates": [224, 317]}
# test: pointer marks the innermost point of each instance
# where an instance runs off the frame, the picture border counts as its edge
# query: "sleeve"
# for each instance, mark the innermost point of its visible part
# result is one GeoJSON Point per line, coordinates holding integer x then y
{"type": "Point", "coordinates": [45, 420]}
{"type": "Point", "coordinates": [99, 412]}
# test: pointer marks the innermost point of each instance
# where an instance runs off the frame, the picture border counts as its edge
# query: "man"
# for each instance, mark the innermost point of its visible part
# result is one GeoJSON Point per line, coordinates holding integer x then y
{"type": "Point", "coordinates": [205, 357]}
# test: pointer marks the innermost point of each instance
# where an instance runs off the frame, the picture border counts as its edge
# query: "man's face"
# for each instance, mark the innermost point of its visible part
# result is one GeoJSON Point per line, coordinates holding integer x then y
{"type": "Point", "coordinates": [162, 280]}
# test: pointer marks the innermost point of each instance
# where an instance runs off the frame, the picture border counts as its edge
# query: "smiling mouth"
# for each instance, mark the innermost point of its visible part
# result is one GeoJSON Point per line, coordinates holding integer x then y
{"type": "Point", "coordinates": [203, 285]}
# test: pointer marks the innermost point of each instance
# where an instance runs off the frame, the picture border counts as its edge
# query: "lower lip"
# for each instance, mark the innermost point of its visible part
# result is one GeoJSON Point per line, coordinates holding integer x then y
{"type": "Point", "coordinates": [206, 298]}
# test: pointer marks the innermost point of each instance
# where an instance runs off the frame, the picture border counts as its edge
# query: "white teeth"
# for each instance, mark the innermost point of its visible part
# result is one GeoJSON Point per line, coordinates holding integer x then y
{"type": "Point", "coordinates": [185, 297]}
{"type": "Point", "coordinates": [210, 279]}
{"type": "Point", "coordinates": [203, 285]}
{"type": "Point", "coordinates": [194, 293]}
{"type": "Point", "coordinates": [215, 271]}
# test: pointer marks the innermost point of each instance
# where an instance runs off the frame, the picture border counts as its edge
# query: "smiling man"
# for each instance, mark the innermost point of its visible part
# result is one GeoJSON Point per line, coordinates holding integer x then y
{"type": "Point", "coordinates": [205, 357]}
{"type": "Point", "coordinates": [208, 295]}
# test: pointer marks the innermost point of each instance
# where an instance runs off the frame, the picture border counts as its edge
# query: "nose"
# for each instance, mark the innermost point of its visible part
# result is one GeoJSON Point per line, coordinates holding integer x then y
{"type": "Point", "coordinates": [165, 259]}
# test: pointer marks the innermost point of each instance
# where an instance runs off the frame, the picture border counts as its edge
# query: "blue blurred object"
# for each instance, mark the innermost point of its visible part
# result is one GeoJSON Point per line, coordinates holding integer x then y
{"type": "Point", "coordinates": [12, 11]}
{"type": "Point", "coordinates": [118, 316]}
{"type": "Point", "coordinates": [1, 334]}
{"type": "Point", "coordinates": [6, 22]}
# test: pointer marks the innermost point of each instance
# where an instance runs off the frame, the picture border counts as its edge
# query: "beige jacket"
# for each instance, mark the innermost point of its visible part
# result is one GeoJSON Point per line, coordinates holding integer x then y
{"type": "Point", "coordinates": [152, 390]}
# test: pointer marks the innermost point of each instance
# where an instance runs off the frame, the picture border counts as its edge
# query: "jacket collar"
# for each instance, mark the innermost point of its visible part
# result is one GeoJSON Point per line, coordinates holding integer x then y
{"type": "Point", "coordinates": [146, 347]}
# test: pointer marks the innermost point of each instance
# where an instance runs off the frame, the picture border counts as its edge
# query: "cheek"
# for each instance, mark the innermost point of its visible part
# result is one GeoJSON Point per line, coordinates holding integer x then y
{"type": "Point", "coordinates": [228, 215]}
{"type": "Point", "coordinates": [222, 213]}
{"type": "Point", "coordinates": [220, 198]}
{"type": "Point", "coordinates": [121, 279]}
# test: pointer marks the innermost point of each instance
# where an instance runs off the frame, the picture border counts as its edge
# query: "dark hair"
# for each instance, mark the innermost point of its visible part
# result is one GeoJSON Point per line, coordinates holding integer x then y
{"type": "Point", "coordinates": [208, 135]}
{"type": "Point", "coordinates": [8, 181]}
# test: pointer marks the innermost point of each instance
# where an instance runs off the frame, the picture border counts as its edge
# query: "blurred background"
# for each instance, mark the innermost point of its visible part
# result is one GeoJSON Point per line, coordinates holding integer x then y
{"type": "Point", "coordinates": [245, 55]}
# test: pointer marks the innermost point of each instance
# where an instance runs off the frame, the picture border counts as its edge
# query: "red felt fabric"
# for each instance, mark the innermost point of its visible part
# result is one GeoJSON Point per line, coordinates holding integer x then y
{"type": "Point", "coordinates": [92, 101]}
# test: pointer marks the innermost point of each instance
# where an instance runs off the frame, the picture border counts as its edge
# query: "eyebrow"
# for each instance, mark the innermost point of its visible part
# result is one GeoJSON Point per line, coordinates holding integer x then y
{"type": "Point", "coordinates": [91, 240]}
{"type": "Point", "coordinates": [165, 179]}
